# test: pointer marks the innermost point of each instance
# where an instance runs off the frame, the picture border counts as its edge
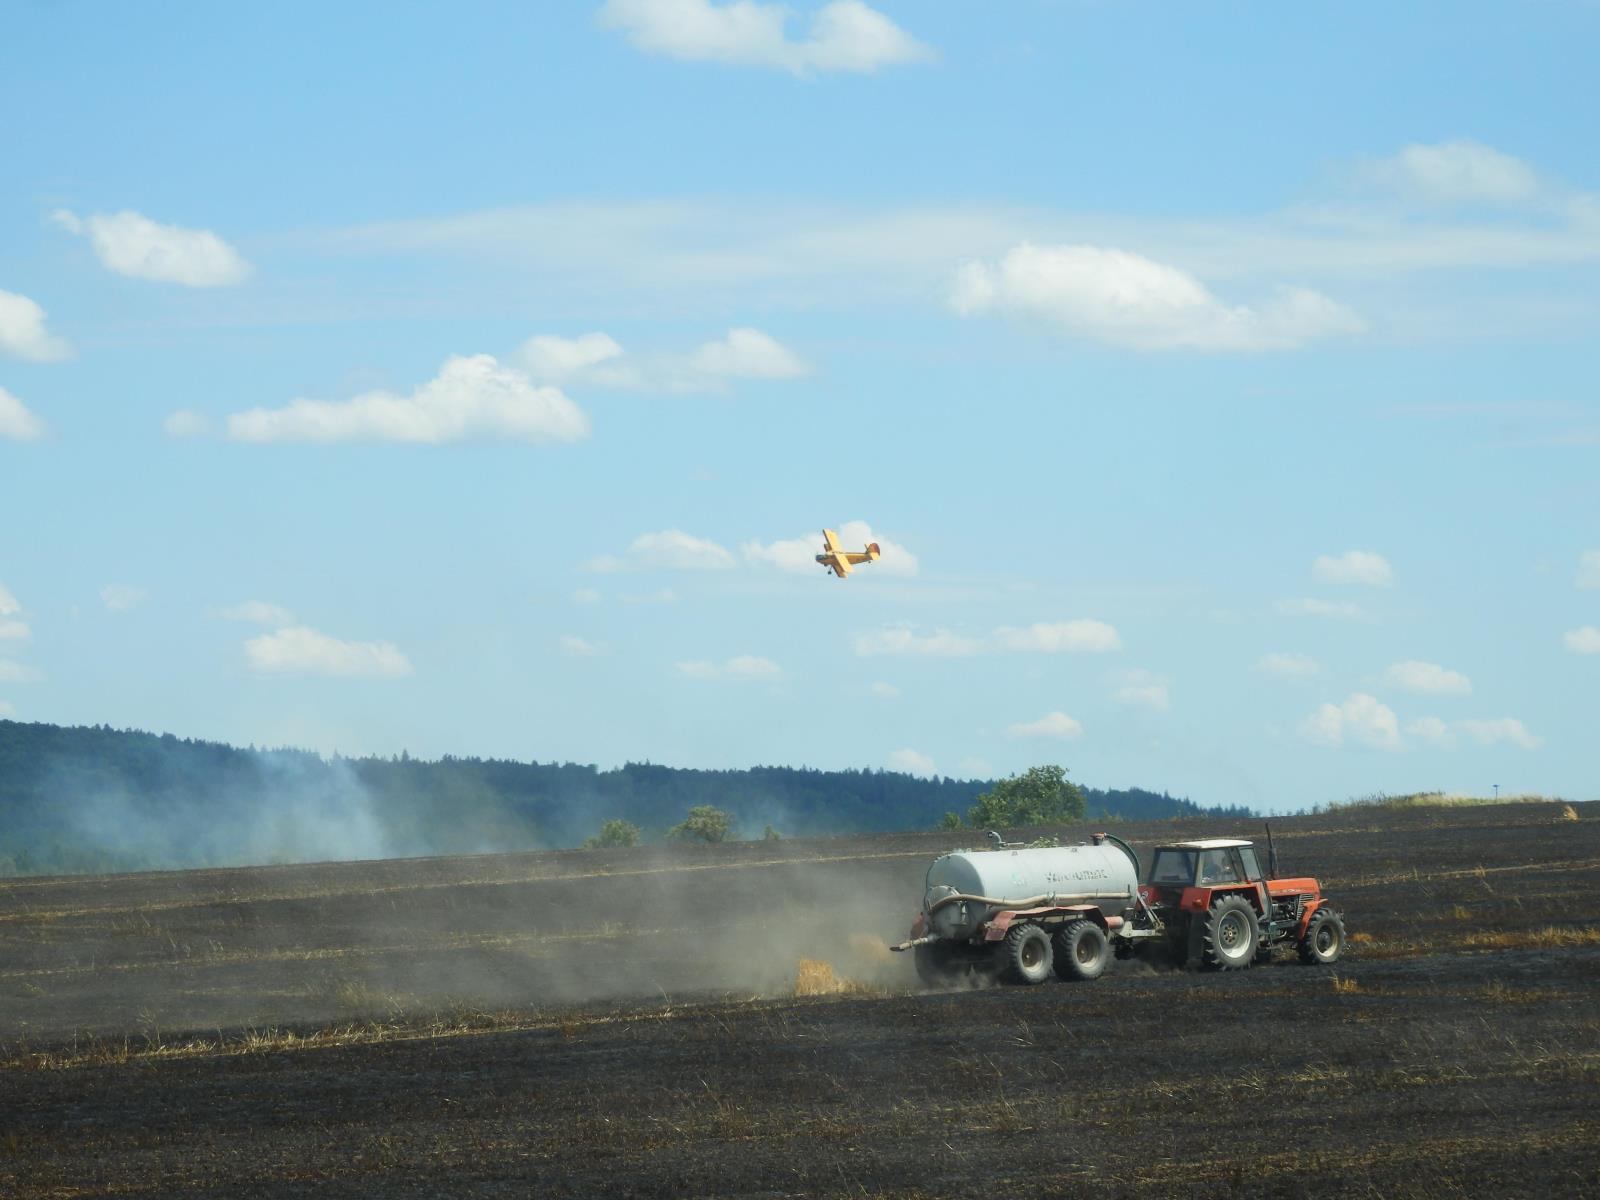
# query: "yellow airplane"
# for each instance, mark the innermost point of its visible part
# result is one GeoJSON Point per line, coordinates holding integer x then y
{"type": "Point", "coordinates": [839, 561]}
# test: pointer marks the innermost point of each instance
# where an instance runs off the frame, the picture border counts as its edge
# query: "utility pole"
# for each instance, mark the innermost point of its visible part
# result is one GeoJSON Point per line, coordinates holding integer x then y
{"type": "Point", "coordinates": [1497, 791]}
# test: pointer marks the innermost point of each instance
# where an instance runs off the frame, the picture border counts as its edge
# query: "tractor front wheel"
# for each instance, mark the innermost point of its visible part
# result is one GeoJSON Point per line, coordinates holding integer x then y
{"type": "Point", "coordinates": [1026, 954]}
{"type": "Point", "coordinates": [1080, 950]}
{"type": "Point", "coordinates": [1324, 939]}
{"type": "Point", "coordinates": [1229, 934]}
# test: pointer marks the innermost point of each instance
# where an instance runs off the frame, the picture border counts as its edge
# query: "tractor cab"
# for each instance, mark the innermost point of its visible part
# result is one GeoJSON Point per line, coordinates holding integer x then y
{"type": "Point", "coordinates": [1185, 876]}
{"type": "Point", "coordinates": [1211, 863]}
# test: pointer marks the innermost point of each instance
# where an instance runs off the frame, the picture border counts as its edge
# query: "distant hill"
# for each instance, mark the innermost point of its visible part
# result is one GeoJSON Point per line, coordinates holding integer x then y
{"type": "Point", "coordinates": [96, 799]}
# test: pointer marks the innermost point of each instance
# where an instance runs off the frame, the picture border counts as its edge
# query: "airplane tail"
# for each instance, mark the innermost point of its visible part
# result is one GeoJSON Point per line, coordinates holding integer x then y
{"type": "Point", "coordinates": [873, 552]}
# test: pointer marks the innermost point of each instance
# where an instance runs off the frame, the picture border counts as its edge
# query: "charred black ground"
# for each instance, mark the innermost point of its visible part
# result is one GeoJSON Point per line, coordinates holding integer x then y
{"type": "Point", "coordinates": [623, 1023]}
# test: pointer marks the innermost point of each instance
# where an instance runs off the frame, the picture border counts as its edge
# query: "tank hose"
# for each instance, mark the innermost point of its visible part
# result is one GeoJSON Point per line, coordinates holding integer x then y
{"type": "Point", "coordinates": [1138, 871]}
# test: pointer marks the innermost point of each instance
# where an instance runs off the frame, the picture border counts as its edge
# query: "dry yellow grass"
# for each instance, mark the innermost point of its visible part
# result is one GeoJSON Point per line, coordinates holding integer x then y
{"type": "Point", "coordinates": [1347, 987]}
{"type": "Point", "coordinates": [814, 977]}
{"type": "Point", "coordinates": [1550, 937]}
{"type": "Point", "coordinates": [1497, 991]}
{"type": "Point", "coordinates": [1568, 813]}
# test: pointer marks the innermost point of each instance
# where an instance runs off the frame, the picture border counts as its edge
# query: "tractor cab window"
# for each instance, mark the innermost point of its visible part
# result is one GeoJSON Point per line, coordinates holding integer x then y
{"type": "Point", "coordinates": [1216, 866]}
{"type": "Point", "coordinates": [1173, 866]}
{"type": "Point", "coordinates": [1252, 869]}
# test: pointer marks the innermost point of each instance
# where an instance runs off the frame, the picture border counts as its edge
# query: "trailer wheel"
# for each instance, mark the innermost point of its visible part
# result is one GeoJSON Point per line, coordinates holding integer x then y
{"type": "Point", "coordinates": [1229, 934]}
{"type": "Point", "coordinates": [1324, 939]}
{"type": "Point", "coordinates": [1026, 954]}
{"type": "Point", "coordinates": [1080, 950]}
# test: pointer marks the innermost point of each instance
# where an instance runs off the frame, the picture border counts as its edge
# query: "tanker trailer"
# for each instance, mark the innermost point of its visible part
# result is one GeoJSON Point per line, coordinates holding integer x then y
{"type": "Point", "coordinates": [1024, 912]}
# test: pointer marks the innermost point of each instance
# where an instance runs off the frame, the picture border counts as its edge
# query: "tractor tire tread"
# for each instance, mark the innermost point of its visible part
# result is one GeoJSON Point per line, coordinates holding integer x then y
{"type": "Point", "coordinates": [1211, 957]}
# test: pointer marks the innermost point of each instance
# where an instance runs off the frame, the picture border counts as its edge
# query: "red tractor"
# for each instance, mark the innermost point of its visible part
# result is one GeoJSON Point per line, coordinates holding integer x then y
{"type": "Point", "coordinates": [1217, 908]}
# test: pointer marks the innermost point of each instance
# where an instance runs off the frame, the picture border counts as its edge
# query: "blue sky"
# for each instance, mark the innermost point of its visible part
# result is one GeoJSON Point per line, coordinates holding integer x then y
{"type": "Point", "coordinates": [1220, 386]}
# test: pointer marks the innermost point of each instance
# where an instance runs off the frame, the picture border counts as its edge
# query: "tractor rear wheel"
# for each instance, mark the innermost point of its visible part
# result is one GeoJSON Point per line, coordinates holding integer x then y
{"type": "Point", "coordinates": [1324, 939]}
{"type": "Point", "coordinates": [1026, 954]}
{"type": "Point", "coordinates": [1080, 950]}
{"type": "Point", "coordinates": [1229, 934]}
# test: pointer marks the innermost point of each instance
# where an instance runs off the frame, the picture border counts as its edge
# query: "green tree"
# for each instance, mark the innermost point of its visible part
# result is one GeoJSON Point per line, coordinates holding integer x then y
{"type": "Point", "coordinates": [614, 833]}
{"type": "Point", "coordinates": [1039, 796]}
{"type": "Point", "coordinates": [771, 835]}
{"type": "Point", "coordinates": [951, 820]}
{"type": "Point", "coordinates": [705, 823]}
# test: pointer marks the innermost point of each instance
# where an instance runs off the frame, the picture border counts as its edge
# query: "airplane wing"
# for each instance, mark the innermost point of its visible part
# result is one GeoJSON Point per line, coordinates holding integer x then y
{"type": "Point", "coordinates": [839, 564]}
{"type": "Point", "coordinates": [830, 541]}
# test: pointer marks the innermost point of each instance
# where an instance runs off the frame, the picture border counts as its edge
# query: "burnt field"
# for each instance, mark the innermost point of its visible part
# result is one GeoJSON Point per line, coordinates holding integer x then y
{"type": "Point", "coordinates": [626, 1023]}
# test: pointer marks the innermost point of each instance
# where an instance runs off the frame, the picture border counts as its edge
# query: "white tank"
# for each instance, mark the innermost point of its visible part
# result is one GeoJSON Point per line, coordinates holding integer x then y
{"type": "Point", "coordinates": [1101, 873]}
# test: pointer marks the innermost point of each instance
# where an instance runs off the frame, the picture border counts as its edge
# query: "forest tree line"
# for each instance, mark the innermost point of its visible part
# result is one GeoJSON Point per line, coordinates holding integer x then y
{"type": "Point", "coordinates": [96, 799]}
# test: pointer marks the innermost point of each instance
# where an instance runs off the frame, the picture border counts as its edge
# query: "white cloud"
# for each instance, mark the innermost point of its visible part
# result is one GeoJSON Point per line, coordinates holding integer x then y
{"type": "Point", "coordinates": [1584, 641]}
{"type": "Point", "coordinates": [1288, 666]}
{"type": "Point", "coordinates": [302, 651]}
{"type": "Point", "coordinates": [975, 768]}
{"type": "Point", "coordinates": [1458, 172]}
{"type": "Point", "coordinates": [901, 639]}
{"type": "Point", "coordinates": [1339, 610]}
{"type": "Point", "coordinates": [579, 647]}
{"type": "Point", "coordinates": [258, 612]}
{"type": "Point", "coordinates": [659, 596]}
{"type": "Point", "coordinates": [1429, 679]}
{"type": "Point", "coordinates": [7, 709]}
{"type": "Point", "coordinates": [912, 762]}
{"type": "Point", "coordinates": [1142, 688]}
{"type": "Point", "coordinates": [1354, 567]}
{"type": "Point", "coordinates": [16, 421]}
{"type": "Point", "coordinates": [798, 555]}
{"type": "Point", "coordinates": [15, 672]}
{"type": "Point", "coordinates": [1431, 730]}
{"type": "Point", "coordinates": [13, 629]}
{"type": "Point", "coordinates": [1051, 725]}
{"type": "Point", "coordinates": [744, 668]}
{"type": "Point", "coordinates": [22, 331]}
{"type": "Point", "coordinates": [131, 244]}
{"type": "Point", "coordinates": [186, 424]}
{"type": "Point", "coordinates": [667, 550]}
{"type": "Point", "coordinates": [748, 354]}
{"type": "Point", "coordinates": [1124, 299]}
{"type": "Point", "coordinates": [1362, 719]}
{"type": "Point", "coordinates": [473, 398]}
{"type": "Point", "coordinates": [1076, 636]}
{"type": "Point", "coordinates": [845, 35]}
{"type": "Point", "coordinates": [586, 596]}
{"type": "Point", "coordinates": [615, 256]}
{"type": "Point", "coordinates": [884, 691]}
{"type": "Point", "coordinates": [1588, 570]}
{"type": "Point", "coordinates": [597, 360]}
{"type": "Point", "coordinates": [1494, 730]}
{"type": "Point", "coordinates": [120, 597]}
{"type": "Point", "coordinates": [558, 359]}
